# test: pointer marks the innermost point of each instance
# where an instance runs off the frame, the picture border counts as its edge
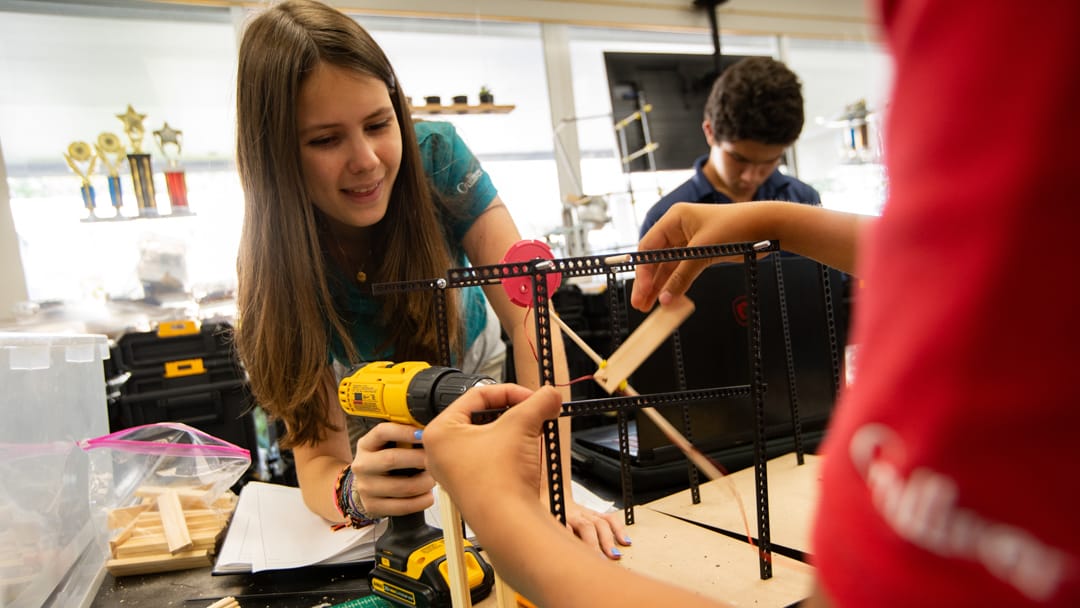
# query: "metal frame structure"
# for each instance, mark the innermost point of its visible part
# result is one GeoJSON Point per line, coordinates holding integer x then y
{"type": "Point", "coordinates": [539, 269]}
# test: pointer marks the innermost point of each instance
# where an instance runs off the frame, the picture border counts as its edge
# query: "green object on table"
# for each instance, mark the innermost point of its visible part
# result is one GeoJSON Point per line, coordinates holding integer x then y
{"type": "Point", "coordinates": [371, 601]}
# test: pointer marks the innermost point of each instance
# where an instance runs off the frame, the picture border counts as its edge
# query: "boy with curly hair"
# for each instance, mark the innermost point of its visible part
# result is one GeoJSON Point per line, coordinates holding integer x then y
{"type": "Point", "coordinates": [754, 112]}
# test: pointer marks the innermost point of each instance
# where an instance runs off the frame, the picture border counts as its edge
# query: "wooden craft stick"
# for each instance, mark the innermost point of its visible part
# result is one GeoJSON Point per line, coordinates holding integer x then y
{"type": "Point", "coordinates": [193, 523]}
{"type": "Point", "coordinates": [172, 519]}
{"type": "Point", "coordinates": [154, 563]}
{"type": "Point", "coordinates": [194, 528]}
{"type": "Point", "coordinates": [122, 536]}
{"type": "Point", "coordinates": [193, 518]}
{"type": "Point", "coordinates": [646, 338]}
{"type": "Point", "coordinates": [225, 602]}
{"type": "Point", "coordinates": [505, 596]}
{"type": "Point", "coordinates": [152, 491]}
{"type": "Point", "coordinates": [460, 596]}
{"type": "Point", "coordinates": [156, 544]}
{"type": "Point", "coordinates": [122, 517]}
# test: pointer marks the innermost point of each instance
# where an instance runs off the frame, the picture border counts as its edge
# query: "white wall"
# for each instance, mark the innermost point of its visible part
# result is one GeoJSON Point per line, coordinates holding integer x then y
{"type": "Point", "coordinates": [11, 270]}
{"type": "Point", "coordinates": [831, 18]}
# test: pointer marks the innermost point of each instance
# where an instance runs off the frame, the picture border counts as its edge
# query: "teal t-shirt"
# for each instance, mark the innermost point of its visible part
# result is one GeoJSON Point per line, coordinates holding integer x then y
{"type": "Point", "coordinates": [455, 174]}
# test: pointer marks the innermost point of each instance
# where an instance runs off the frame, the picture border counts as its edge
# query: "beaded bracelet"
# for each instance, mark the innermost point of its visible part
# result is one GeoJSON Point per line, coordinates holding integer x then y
{"type": "Point", "coordinates": [348, 503]}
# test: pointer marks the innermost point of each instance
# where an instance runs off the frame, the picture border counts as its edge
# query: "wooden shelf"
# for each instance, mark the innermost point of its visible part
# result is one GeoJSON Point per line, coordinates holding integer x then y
{"type": "Point", "coordinates": [461, 108]}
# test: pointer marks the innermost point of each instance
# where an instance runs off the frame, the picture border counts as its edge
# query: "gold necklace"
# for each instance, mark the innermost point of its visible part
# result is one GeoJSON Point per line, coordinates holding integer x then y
{"type": "Point", "coordinates": [360, 276]}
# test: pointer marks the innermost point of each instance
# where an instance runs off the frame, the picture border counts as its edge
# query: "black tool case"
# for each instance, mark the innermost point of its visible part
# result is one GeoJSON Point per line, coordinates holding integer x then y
{"type": "Point", "coordinates": [184, 372]}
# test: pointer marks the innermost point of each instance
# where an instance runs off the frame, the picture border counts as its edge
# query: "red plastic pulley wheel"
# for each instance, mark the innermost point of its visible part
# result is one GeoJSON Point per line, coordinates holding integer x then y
{"type": "Point", "coordinates": [519, 289]}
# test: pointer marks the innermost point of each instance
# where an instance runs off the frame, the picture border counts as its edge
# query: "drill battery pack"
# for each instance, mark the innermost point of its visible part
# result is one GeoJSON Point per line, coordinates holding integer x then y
{"type": "Point", "coordinates": [411, 567]}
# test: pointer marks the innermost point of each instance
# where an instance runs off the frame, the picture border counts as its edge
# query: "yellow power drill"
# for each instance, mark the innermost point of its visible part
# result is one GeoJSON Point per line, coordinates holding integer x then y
{"type": "Point", "coordinates": [410, 557]}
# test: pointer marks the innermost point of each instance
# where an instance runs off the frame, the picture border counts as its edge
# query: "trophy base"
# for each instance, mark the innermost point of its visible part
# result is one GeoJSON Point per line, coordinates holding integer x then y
{"type": "Point", "coordinates": [112, 218]}
{"type": "Point", "coordinates": [160, 216]}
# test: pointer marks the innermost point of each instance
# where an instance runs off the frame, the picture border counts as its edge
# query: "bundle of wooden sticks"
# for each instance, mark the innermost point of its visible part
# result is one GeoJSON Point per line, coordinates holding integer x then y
{"type": "Point", "coordinates": [169, 529]}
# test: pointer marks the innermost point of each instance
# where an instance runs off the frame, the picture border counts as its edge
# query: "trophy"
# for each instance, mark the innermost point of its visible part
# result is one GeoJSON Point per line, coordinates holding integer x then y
{"type": "Point", "coordinates": [77, 153]}
{"type": "Point", "coordinates": [108, 145]}
{"type": "Point", "coordinates": [168, 137]}
{"type": "Point", "coordinates": [142, 176]}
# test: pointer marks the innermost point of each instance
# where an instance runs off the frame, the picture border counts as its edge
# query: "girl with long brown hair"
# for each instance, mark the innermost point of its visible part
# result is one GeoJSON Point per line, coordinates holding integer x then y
{"type": "Point", "coordinates": [342, 190]}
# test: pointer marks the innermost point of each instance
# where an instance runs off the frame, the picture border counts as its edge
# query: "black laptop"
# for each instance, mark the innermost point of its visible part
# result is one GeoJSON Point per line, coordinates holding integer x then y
{"type": "Point", "coordinates": [715, 353]}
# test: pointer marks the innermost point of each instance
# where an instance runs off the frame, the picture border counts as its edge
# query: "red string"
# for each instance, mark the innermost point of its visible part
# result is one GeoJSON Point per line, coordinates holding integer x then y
{"type": "Point", "coordinates": [532, 347]}
{"type": "Point", "coordinates": [576, 380]}
{"type": "Point", "coordinates": [528, 334]}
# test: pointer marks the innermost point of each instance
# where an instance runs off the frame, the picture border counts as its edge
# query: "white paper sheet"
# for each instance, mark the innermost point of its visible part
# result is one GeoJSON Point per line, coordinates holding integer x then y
{"type": "Point", "coordinates": [272, 529]}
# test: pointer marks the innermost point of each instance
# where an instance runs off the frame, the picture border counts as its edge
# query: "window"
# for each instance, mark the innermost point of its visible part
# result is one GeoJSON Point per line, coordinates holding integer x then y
{"type": "Point", "coordinates": [515, 149]}
{"type": "Point", "coordinates": [66, 78]}
{"type": "Point", "coordinates": [837, 74]}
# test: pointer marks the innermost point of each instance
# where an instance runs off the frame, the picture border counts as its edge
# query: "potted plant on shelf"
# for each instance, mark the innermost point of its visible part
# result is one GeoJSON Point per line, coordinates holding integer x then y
{"type": "Point", "coordinates": [485, 95]}
{"type": "Point", "coordinates": [433, 100]}
{"type": "Point", "coordinates": [460, 99]}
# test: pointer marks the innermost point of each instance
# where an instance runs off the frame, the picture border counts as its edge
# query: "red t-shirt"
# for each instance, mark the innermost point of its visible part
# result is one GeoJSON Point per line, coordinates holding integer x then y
{"type": "Point", "coordinates": [952, 460]}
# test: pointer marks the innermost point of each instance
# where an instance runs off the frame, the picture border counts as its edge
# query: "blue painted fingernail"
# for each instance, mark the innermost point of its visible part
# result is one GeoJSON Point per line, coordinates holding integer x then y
{"type": "Point", "coordinates": [418, 434]}
{"type": "Point", "coordinates": [626, 539]}
{"type": "Point", "coordinates": [615, 551]}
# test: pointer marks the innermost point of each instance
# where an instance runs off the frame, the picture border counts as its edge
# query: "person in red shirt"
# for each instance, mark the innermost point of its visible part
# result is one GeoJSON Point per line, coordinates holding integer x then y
{"type": "Point", "coordinates": [948, 460]}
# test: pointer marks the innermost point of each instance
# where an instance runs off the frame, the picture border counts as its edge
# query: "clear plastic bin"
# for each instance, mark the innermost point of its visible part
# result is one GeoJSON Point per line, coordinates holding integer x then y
{"type": "Point", "coordinates": [52, 394]}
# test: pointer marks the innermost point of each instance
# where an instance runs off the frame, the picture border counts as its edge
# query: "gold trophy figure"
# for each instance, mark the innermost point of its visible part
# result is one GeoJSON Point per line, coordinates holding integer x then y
{"type": "Point", "coordinates": [168, 138]}
{"type": "Point", "coordinates": [142, 175]}
{"type": "Point", "coordinates": [77, 153]}
{"type": "Point", "coordinates": [108, 145]}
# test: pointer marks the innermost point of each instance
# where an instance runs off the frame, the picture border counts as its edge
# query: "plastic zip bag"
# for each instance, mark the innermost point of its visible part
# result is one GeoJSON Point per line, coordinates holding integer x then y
{"type": "Point", "coordinates": [165, 455]}
{"type": "Point", "coordinates": [157, 483]}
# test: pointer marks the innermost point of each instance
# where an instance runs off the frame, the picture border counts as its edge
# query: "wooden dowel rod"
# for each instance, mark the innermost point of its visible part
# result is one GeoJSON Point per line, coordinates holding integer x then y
{"type": "Point", "coordinates": [666, 427]}
{"type": "Point", "coordinates": [454, 542]}
{"type": "Point", "coordinates": [576, 338]}
{"type": "Point", "coordinates": [505, 596]}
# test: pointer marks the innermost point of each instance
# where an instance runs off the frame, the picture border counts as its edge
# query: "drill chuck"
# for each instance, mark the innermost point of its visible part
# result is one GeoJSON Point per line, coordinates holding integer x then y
{"type": "Point", "coordinates": [435, 388]}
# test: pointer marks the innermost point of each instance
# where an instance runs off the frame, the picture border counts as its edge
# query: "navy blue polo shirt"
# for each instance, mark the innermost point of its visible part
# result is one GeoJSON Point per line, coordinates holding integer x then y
{"type": "Point", "coordinates": [697, 189]}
